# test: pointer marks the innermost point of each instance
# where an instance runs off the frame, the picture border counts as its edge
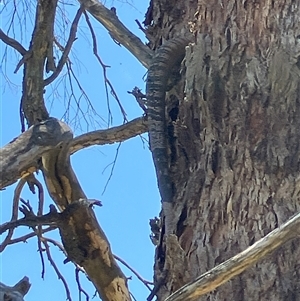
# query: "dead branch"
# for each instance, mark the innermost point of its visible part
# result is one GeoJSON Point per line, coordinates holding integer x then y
{"type": "Point", "coordinates": [49, 140]}
{"type": "Point", "coordinates": [31, 220]}
{"type": "Point", "coordinates": [18, 158]}
{"type": "Point", "coordinates": [14, 216]}
{"type": "Point", "coordinates": [80, 289]}
{"type": "Point", "coordinates": [16, 161]}
{"type": "Point", "coordinates": [104, 67]}
{"type": "Point", "coordinates": [25, 237]}
{"type": "Point", "coordinates": [115, 134]}
{"type": "Point", "coordinates": [12, 42]}
{"type": "Point", "coordinates": [87, 245]}
{"type": "Point", "coordinates": [56, 269]}
{"type": "Point", "coordinates": [67, 48]}
{"type": "Point", "coordinates": [16, 292]}
{"type": "Point", "coordinates": [118, 31]}
{"type": "Point", "coordinates": [145, 282]}
{"type": "Point", "coordinates": [239, 263]}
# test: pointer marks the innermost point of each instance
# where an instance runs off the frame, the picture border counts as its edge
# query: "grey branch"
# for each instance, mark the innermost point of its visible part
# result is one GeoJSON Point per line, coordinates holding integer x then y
{"type": "Point", "coordinates": [118, 31]}
{"type": "Point", "coordinates": [16, 292]}
{"type": "Point", "coordinates": [12, 42]}
{"type": "Point", "coordinates": [32, 220]}
{"type": "Point", "coordinates": [53, 218]}
{"type": "Point", "coordinates": [115, 134]}
{"type": "Point", "coordinates": [19, 157]}
{"type": "Point", "coordinates": [239, 263]}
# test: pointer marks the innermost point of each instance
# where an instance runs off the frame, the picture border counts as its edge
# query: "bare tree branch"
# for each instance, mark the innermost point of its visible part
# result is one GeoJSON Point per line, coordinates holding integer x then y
{"type": "Point", "coordinates": [16, 161]}
{"type": "Point", "coordinates": [51, 141]}
{"type": "Point", "coordinates": [145, 282]}
{"type": "Point", "coordinates": [25, 237]}
{"type": "Point", "coordinates": [118, 31]}
{"type": "Point", "coordinates": [67, 48]}
{"type": "Point", "coordinates": [239, 263]}
{"type": "Point", "coordinates": [104, 67]}
{"type": "Point", "coordinates": [16, 292]}
{"type": "Point", "coordinates": [18, 158]}
{"type": "Point", "coordinates": [115, 134]}
{"type": "Point", "coordinates": [32, 220]}
{"type": "Point", "coordinates": [14, 217]}
{"type": "Point", "coordinates": [12, 42]}
{"type": "Point", "coordinates": [56, 269]}
{"type": "Point", "coordinates": [80, 289]}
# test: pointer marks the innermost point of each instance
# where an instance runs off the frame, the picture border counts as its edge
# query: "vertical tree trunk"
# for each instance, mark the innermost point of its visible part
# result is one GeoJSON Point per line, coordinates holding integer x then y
{"type": "Point", "coordinates": [234, 143]}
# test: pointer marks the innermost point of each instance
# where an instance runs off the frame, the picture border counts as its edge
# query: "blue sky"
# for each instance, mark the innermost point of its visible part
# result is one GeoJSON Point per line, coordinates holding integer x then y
{"type": "Point", "coordinates": [131, 197]}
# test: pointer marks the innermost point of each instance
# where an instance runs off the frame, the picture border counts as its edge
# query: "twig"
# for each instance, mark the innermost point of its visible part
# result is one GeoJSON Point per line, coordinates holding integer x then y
{"type": "Point", "coordinates": [60, 246]}
{"type": "Point", "coordinates": [35, 182]}
{"type": "Point", "coordinates": [113, 167]}
{"type": "Point", "coordinates": [73, 94]}
{"type": "Point", "coordinates": [80, 289]}
{"type": "Point", "coordinates": [104, 67]}
{"type": "Point", "coordinates": [30, 219]}
{"type": "Point", "coordinates": [14, 216]}
{"type": "Point", "coordinates": [25, 237]}
{"type": "Point", "coordinates": [40, 249]}
{"type": "Point", "coordinates": [145, 282]}
{"type": "Point", "coordinates": [67, 49]}
{"type": "Point", "coordinates": [56, 269]}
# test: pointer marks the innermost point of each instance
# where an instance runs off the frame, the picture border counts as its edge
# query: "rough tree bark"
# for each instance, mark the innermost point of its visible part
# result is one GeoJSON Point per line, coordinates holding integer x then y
{"type": "Point", "coordinates": [233, 138]}
{"type": "Point", "coordinates": [234, 143]}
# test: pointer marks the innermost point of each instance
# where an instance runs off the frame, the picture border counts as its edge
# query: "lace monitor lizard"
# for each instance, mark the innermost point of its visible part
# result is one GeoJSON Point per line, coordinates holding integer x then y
{"type": "Point", "coordinates": [166, 57]}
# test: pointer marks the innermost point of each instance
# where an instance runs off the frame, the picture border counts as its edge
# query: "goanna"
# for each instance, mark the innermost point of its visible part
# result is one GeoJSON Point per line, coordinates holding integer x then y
{"type": "Point", "coordinates": [166, 57]}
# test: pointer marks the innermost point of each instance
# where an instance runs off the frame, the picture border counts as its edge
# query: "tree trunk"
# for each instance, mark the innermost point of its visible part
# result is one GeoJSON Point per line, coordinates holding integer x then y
{"type": "Point", "coordinates": [233, 134]}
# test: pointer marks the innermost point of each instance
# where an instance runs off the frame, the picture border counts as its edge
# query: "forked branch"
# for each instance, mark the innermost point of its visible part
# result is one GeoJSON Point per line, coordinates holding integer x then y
{"type": "Point", "coordinates": [17, 162]}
